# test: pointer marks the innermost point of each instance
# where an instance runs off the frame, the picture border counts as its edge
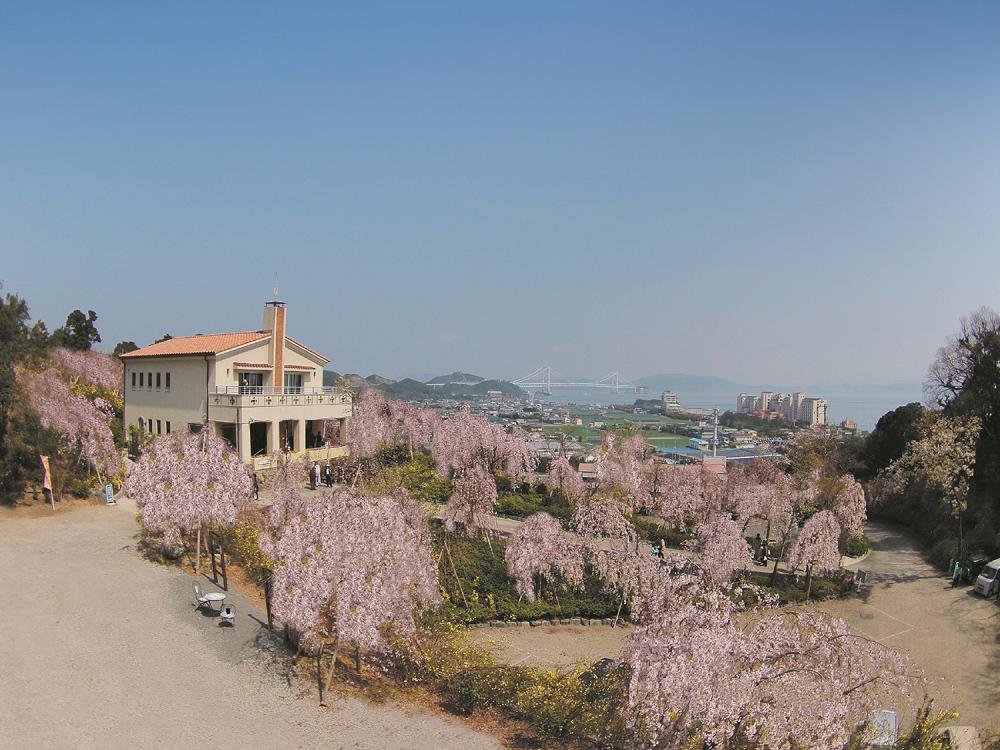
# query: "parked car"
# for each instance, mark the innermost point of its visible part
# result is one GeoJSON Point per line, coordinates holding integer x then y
{"type": "Point", "coordinates": [988, 580]}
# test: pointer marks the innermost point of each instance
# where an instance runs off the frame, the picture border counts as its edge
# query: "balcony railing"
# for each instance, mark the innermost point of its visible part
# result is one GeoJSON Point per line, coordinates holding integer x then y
{"type": "Point", "coordinates": [253, 396]}
{"type": "Point", "coordinates": [270, 390]}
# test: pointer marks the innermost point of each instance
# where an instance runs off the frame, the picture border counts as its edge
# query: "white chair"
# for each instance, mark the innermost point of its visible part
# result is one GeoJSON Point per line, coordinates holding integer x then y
{"type": "Point", "coordinates": [206, 599]}
{"type": "Point", "coordinates": [227, 616]}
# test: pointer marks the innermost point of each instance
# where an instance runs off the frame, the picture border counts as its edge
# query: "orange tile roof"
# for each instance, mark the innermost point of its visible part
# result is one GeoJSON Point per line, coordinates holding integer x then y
{"type": "Point", "coordinates": [203, 343]}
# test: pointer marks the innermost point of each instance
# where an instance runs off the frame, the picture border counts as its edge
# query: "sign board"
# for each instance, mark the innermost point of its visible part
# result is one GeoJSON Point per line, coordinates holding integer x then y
{"type": "Point", "coordinates": [109, 494]}
{"type": "Point", "coordinates": [884, 731]}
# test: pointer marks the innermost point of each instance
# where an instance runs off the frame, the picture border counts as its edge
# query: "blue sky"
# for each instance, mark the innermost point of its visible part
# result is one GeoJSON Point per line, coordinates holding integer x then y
{"type": "Point", "coordinates": [769, 192]}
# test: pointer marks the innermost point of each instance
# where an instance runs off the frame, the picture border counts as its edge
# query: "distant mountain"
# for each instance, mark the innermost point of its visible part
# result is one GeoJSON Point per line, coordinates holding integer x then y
{"type": "Point", "coordinates": [374, 379]}
{"type": "Point", "coordinates": [410, 389]}
{"type": "Point", "coordinates": [330, 378]}
{"type": "Point", "coordinates": [456, 378]}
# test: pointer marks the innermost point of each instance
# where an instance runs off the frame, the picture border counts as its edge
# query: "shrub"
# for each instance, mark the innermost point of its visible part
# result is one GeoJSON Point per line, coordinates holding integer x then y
{"type": "Point", "coordinates": [554, 703]}
{"type": "Point", "coordinates": [858, 545]}
{"type": "Point", "coordinates": [523, 504]}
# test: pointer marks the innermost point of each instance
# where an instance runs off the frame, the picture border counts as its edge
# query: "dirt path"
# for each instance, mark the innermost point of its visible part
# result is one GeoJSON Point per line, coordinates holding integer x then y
{"type": "Point", "coordinates": [101, 649]}
{"type": "Point", "coordinates": [555, 645]}
{"type": "Point", "coordinates": [952, 634]}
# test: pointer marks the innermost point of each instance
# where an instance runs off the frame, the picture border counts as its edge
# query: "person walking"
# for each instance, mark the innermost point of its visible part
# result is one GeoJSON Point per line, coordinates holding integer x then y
{"type": "Point", "coordinates": [758, 549]}
{"type": "Point", "coordinates": [313, 476]}
{"type": "Point", "coordinates": [256, 487]}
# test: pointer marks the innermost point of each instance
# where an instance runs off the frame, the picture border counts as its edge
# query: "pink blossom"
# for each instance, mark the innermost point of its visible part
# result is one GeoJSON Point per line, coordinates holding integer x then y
{"type": "Point", "coordinates": [353, 565]}
{"type": "Point", "coordinates": [849, 505]}
{"type": "Point", "coordinates": [184, 479]}
{"type": "Point", "coordinates": [722, 548]}
{"type": "Point", "coordinates": [816, 546]}
{"type": "Point", "coordinates": [463, 440]}
{"type": "Point", "coordinates": [562, 477]}
{"type": "Point", "coordinates": [102, 370]}
{"type": "Point", "coordinates": [473, 501]}
{"type": "Point", "coordinates": [619, 468]}
{"type": "Point", "coordinates": [540, 548]}
{"type": "Point", "coordinates": [81, 424]}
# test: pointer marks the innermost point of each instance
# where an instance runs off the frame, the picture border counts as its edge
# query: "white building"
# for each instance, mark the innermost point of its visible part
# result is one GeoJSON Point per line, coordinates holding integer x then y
{"type": "Point", "coordinates": [670, 402]}
{"type": "Point", "coordinates": [260, 390]}
{"type": "Point", "coordinates": [813, 411]}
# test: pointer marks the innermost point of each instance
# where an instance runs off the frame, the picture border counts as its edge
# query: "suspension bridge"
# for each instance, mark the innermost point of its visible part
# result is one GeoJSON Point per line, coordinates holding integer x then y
{"type": "Point", "coordinates": [542, 379]}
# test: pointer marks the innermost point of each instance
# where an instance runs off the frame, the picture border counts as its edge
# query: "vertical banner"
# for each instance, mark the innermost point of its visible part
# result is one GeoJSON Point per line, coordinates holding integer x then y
{"type": "Point", "coordinates": [47, 481]}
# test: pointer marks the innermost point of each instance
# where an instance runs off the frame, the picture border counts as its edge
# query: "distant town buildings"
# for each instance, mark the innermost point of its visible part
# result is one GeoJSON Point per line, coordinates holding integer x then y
{"type": "Point", "coordinates": [791, 407]}
{"type": "Point", "coordinates": [670, 402]}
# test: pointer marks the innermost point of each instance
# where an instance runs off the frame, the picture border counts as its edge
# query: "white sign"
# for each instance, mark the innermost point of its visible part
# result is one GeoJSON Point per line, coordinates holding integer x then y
{"type": "Point", "coordinates": [883, 728]}
{"type": "Point", "coordinates": [109, 494]}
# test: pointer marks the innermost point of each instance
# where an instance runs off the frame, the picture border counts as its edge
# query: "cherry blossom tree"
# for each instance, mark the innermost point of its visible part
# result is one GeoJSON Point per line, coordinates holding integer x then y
{"type": "Point", "coordinates": [89, 366]}
{"type": "Point", "coordinates": [81, 423]}
{"type": "Point", "coordinates": [817, 546]}
{"type": "Point", "coordinates": [287, 501]}
{"type": "Point", "coordinates": [778, 680]}
{"type": "Point", "coordinates": [849, 505]}
{"type": "Point", "coordinates": [944, 460]}
{"type": "Point", "coordinates": [352, 566]}
{"type": "Point", "coordinates": [620, 470]}
{"type": "Point", "coordinates": [463, 440]}
{"type": "Point", "coordinates": [473, 501]}
{"type": "Point", "coordinates": [370, 428]}
{"type": "Point", "coordinates": [185, 479]}
{"type": "Point", "coordinates": [539, 548]}
{"type": "Point", "coordinates": [562, 477]}
{"type": "Point", "coordinates": [722, 548]}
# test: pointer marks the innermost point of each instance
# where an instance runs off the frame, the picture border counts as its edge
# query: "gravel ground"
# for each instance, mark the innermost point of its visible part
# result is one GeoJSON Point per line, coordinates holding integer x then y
{"type": "Point", "coordinates": [102, 649]}
{"type": "Point", "coordinates": [953, 635]}
{"type": "Point", "coordinates": [555, 645]}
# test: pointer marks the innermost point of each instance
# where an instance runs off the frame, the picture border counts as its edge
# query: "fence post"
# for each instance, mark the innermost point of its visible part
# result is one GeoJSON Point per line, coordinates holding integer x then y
{"type": "Point", "coordinates": [225, 576]}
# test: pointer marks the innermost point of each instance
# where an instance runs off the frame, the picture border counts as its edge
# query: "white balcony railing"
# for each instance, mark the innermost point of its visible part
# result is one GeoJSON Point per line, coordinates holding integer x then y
{"type": "Point", "coordinates": [270, 390]}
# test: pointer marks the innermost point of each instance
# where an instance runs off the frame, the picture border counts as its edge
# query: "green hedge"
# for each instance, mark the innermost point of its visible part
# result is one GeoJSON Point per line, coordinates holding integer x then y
{"type": "Point", "coordinates": [523, 504]}
{"type": "Point", "coordinates": [858, 545]}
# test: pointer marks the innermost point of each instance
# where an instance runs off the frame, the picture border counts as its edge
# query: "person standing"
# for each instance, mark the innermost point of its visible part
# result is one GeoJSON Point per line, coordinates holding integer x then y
{"type": "Point", "coordinates": [256, 487]}
{"type": "Point", "coordinates": [328, 475]}
{"type": "Point", "coordinates": [313, 476]}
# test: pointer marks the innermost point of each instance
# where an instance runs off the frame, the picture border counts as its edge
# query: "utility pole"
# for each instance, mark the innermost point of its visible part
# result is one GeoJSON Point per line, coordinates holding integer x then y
{"type": "Point", "coordinates": [715, 440]}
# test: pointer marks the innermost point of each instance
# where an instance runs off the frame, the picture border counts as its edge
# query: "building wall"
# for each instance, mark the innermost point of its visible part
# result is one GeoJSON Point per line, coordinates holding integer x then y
{"type": "Point", "coordinates": [182, 404]}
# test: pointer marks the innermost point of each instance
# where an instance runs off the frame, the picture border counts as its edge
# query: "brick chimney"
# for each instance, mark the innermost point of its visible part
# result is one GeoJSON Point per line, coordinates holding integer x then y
{"type": "Point", "coordinates": [274, 321]}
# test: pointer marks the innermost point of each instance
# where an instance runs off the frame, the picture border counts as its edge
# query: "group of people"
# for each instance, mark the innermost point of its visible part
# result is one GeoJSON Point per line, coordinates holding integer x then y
{"type": "Point", "coordinates": [316, 473]}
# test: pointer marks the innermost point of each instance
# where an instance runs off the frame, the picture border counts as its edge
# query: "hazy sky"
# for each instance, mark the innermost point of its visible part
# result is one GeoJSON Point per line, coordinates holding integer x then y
{"type": "Point", "coordinates": [770, 192]}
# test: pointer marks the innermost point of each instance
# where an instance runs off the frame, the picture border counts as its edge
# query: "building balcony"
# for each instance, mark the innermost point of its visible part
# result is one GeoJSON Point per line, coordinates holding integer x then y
{"type": "Point", "coordinates": [322, 455]}
{"type": "Point", "coordinates": [268, 396]}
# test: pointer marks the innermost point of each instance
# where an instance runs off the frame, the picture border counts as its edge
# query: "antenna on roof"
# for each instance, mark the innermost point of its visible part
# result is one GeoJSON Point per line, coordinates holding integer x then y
{"type": "Point", "coordinates": [274, 301]}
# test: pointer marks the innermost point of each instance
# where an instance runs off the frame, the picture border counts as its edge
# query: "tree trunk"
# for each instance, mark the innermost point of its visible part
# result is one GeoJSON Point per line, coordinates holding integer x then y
{"type": "Point", "coordinates": [333, 663]}
{"type": "Point", "coordinates": [197, 551]}
{"type": "Point", "coordinates": [809, 580]}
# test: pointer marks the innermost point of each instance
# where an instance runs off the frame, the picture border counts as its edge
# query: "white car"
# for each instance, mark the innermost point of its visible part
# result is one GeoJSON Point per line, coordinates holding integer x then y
{"type": "Point", "coordinates": [989, 580]}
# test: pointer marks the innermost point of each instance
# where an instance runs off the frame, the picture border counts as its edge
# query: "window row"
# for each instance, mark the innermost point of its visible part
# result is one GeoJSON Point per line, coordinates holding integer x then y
{"type": "Point", "coordinates": [145, 380]}
{"type": "Point", "coordinates": [154, 427]}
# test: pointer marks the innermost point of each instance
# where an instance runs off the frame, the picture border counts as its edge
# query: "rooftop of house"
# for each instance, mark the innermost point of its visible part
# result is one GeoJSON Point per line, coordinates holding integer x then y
{"type": "Point", "coordinates": [208, 343]}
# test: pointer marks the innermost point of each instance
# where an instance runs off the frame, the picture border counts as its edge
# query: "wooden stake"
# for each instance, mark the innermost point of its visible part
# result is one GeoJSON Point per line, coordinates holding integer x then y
{"type": "Point", "coordinates": [455, 573]}
{"type": "Point", "coordinates": [197, 551]}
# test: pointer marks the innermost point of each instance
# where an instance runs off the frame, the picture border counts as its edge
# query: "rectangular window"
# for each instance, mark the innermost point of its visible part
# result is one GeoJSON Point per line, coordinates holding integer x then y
{"type": "Point", "coordinates": [293, 382]}
{"type": "Point", "coordinates": [159, 427]}
{"type": "Point", "coordinates": [157, 381]}
{"type": "Point", "coordinates": [168, 426]}
{"type": "Point", "coordinates": [133, 380]}
{"type": "Point", "coordinates": [149, 380]}
{"type": "Point", "coordinates": [140, 380]}
{"type": "Point", "coordinates": [168, 386]}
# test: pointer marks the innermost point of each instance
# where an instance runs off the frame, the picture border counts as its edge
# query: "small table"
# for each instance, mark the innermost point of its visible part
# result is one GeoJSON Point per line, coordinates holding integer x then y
{"type": "Point", "coordinates": [210, 598]}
